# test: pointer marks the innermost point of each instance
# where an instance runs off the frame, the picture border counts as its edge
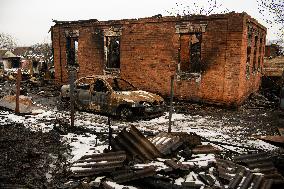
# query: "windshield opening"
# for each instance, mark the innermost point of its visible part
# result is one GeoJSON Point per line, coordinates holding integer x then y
{"type": "Point", "coordinates": [120, 85]}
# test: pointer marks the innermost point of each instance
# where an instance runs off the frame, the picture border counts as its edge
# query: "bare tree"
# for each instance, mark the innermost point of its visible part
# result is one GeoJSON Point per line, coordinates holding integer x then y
{"type": "Point", "coordinates": [7, 41]}
{"type": "Point", "coordinates": [273, 12]}
{"type": "Point", "coordinates": [198, 8]}
{"type": "Point", "coordinates": [41, 51]}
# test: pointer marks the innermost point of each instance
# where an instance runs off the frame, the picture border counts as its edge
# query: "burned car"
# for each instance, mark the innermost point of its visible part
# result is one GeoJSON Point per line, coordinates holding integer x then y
{"type": "Point", "coordinates": [114, 96]}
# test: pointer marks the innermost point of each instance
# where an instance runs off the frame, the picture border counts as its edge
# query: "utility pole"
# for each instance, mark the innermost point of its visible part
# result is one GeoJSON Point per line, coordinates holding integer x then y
{"type": "Point", "coordinates": [72, 73]}
{"type": "Point", "coordinates": [18, 89]}
{"type": "Point", "coordinates": [109, 132]}
{"type": "Point", "coordinates": [171, 103]}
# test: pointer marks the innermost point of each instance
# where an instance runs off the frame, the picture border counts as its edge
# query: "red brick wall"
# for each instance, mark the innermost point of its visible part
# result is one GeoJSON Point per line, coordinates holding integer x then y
{"type": "Point", "coordinates": [149, 56]}
{"type": "Point", "coordinates": [251, 84]}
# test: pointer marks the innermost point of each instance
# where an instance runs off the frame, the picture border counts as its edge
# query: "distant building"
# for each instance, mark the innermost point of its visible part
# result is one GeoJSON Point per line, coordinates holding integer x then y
{"type": "Point", "coordinates": [216, 59]}
{"type": "Point", "coordinates": [273, 69]}
{"type": "Point", "coordinates": [272, 50]}
{"type": "Point", "coordinates": [22, 51]}
{"type": "Point", "coordinates": [9, 60]}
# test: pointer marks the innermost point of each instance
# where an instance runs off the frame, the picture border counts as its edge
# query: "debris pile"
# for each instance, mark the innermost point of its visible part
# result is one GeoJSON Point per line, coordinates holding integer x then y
{"type": "Point", "coordinates": [171, 160]}
{"type": "Point", "coordinates": [259, 101]}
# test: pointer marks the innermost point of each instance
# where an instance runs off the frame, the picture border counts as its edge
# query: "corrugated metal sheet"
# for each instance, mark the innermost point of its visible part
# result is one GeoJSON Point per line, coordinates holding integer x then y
{"type": "Point", "coordinates": [259, 172]}
{"type": "Point", "coordinates": [121, 177]}
{"type": "Point", "coordinates": [167, 143]}
{"type": "Point", "coordinates": [177, 165]}
{"type": "Point", "coordinates": [205, 149]}
{"type": "Point", "coordinates": [274, 140]}
{"type": "Point", "coordinates": [135, 144]}
{"type": "Point", "coordinates": [239, 176]}
{"type": "Point", "coordinates": [98, 163]}
{"type": "Point", "coordinates": [261, 163]}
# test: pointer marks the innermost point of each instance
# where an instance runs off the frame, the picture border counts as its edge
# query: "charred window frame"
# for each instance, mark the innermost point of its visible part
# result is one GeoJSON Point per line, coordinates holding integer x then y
{"type": "Point", "coordinates": [195, 52]}
{"type": "Point", "coordinates": [72, 43]}
{"type": "Point", "coordinates": [112, 44]}
{"type": "Point", "coordinates": [112, 52]}
{"type": "Point", "coordinates": [190, 47]}
{"type": "Point", "coordinates": [249, 50]}
{"type": "Point", "coordinates": [190, 52]}
{"type": "Point", "coordinates": [260, 54]}
{"type": "Point", "coordinates": [255, 54]}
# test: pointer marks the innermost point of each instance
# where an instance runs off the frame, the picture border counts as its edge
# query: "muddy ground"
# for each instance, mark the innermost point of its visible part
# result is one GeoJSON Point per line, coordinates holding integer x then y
{"type": "Point", "coordinates": [36, 150]}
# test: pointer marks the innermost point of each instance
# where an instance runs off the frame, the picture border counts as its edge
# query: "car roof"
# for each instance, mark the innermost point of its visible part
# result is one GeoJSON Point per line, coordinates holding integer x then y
{"type": "Point", "coordinates": [100, 76]}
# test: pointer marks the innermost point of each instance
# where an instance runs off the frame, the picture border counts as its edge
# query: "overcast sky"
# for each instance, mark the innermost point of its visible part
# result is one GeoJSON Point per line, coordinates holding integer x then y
{"type": "Point", "coordinates": [29, 20]}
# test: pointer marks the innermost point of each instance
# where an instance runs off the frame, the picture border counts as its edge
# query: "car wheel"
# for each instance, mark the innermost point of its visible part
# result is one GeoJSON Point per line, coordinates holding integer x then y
{"type": "Point", "coordinates": [125, 113]}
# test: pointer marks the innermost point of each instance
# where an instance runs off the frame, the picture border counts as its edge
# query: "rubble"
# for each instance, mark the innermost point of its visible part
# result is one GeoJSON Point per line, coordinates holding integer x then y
{"type": "Point", "coordinates": [274, 140]}
{"type": "Point", "coordinates": [202, 151]}
{"type": "Point", "coordinates": [95, 164]}
{"type": "Point", "coordinates": [135, 144]}
{"type": "Point", "coordinates": [201, 170]}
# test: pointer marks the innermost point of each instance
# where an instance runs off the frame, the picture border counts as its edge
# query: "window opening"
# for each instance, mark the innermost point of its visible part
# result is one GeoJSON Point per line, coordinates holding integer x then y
{"type": "Point", "coordinates": [113, 51]}
{"type": "Point", "coordinates": [190, 52]}
{"type": "Point", "coordinates": [72, 51]}
{"type": "Point", "coordinates": [260, 53]}
{"type": "Point", "coordinates": [249, 38]}
{"type": "Point", "coordinates": [255, 53]}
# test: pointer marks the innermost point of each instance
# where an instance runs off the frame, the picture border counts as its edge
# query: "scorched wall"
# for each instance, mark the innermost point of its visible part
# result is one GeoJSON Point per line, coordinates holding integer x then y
{"type": "Point", "coordinates": [208, 55]}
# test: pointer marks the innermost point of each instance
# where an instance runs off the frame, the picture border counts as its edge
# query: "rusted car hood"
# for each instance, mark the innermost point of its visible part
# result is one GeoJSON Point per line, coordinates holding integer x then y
{"type": "Point", "coordinates": [138, 96]}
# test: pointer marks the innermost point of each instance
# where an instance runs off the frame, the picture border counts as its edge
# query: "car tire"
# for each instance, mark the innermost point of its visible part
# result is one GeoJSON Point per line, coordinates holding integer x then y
{"type": "Point", "coordinates": [125, 113]}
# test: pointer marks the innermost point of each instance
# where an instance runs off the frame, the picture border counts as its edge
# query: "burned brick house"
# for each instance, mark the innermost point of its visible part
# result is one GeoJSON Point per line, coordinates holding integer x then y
{"type": "Point", "coordinates": [216, 58]}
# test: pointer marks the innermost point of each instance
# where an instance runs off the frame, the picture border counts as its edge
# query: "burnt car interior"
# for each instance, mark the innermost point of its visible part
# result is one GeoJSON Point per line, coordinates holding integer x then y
{"type": "Point", "coordinates": [120, 85]}
{"type": "Point", "coordinates": [99, 86]}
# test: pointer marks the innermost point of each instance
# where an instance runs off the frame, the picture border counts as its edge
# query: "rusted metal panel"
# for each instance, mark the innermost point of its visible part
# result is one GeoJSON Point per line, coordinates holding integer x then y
{"type": "Point", "coordinates": [162, 183]}
{"type": "Point", "coordinates": [228, 170]}
{"type": "Point", "coordinates": [247, 157]}
{"type": "Point", "coordinates": [239, 176]}
{"type": "Point", "coordinates": [235, 182]}
{"type": "Point", "coordinates": [274, 140]}
{"type": "Point", "coordinates": [261, 163]}
{"type": "Point", "coordinates": [247, 181]}
{"type": "Point", "coordinates": [205, 149]}
{"type": "Point", "coordinates": [167, 143]}
{"type": "Point", "coordinates": [98, 163]}
{"type": "Point", "coordinates": [281, 131]}
{"type": "Point", "coordinates": [110, 156]}
{"type": "Point", "coordinates": [206, 179]}
{"type": "Point", "coordinates": [177, 165]}
{"type": "Point", "coordinates": [134, 175]}
{"type": "Point", "coordinates": [135, 144]}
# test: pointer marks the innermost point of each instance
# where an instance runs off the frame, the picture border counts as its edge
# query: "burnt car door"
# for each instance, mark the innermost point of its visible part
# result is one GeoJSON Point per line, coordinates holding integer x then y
{"type": "Point", "coordinates": [82, 96]}
{"type": "Point", "coordinates": [100, 95]}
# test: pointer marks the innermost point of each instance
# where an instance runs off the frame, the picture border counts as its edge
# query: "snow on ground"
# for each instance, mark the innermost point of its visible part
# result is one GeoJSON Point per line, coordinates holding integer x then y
{"type": "Point", "coordinates": [206, 126]}
{"type": "Point", "coordinates": [83, 145]}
